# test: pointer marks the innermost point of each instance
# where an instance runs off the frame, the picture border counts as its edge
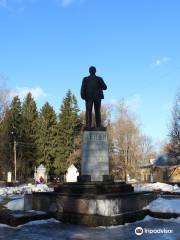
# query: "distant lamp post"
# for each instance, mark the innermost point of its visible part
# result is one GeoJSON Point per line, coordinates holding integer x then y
{"type": "Point", "coordinates": [15, 160]}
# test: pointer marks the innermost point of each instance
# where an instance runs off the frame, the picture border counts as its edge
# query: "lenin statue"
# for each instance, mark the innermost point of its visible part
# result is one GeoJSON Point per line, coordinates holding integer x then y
{"type": "Point", "coordinates": [92, 92]}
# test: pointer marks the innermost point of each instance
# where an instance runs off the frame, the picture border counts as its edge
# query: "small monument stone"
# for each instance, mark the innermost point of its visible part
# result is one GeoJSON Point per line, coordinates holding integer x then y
{"type": "Point", "coordinates": [72, 174]}
{"type": "Point", "coordinates": [9, 177]}
{"type": "Point", "coordinates": [40, 174]}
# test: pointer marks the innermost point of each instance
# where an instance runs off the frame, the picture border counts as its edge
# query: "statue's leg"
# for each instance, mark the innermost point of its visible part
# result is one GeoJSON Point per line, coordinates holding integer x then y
{"type": "Point", "coordinates": [97, 108]}
{"type": "Point", "coordinates": [89, 105]}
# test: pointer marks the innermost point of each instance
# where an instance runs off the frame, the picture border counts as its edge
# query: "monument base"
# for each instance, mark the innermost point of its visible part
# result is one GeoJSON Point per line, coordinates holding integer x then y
{"type": "Point", "coordinates": [97, 220]}
{"type": "Point", "coordinates": [95, 200]}
{"type": "Point", "coordinates": [88, 189]}
{"type": "Point", "coordinates": [93, 204]}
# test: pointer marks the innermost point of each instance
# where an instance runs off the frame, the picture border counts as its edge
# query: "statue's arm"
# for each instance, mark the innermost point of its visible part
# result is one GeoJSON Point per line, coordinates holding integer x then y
{"type": "Point", "coordinates": [83, 89]}
{"type": "Point", "coordinates": [102, 84]}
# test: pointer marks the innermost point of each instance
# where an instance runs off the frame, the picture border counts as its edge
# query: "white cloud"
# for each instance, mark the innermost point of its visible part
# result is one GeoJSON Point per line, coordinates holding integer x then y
{"type": "Point", "coordinates": [36, 92]}
{"type": "Point", "coordinates": [161, 61]}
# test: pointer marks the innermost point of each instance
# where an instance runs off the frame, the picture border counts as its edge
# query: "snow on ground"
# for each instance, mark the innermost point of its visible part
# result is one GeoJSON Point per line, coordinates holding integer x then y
{"type": "Point", "coordinates": [22, 189]}
{"type": "Point", "coordinates": [17, 204]}
{"type": "Point", "coordinates": [164, 205]}
{"type": "Point", "coordinates": [53, 220]}
{"type": "Point", "coordinates": [52, 229]}
{"type": "Point", "coordinates": [36, 222]}
{"type": "Point", "coordinates": [156, 186]}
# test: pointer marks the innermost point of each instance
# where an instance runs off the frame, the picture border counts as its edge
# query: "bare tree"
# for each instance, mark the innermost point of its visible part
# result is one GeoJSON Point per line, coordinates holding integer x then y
{"type": "Point", "coordinates": [132, 148]}
{"type": "Point", "coordinates": [174, 144]}
{"type": "Point", "coordinates": [146, 149]}
{"type": "Point", "coordinates": [125, 130]}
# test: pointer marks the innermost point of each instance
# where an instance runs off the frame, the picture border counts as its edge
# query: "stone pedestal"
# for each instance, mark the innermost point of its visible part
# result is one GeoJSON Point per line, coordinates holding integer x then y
{"type": "Point", "coordinates": [95, 155]}
{"type": "Point", "coordinates": [88, 205]}
{"type": "Point", "coordinates": [95, 199]}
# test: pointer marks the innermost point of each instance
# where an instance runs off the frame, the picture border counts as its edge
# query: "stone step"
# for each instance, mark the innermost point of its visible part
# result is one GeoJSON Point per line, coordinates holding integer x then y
{"type": "Point", "coordinates": [97, 220]}
{"type": "Point", "coordinates": [15, 218]}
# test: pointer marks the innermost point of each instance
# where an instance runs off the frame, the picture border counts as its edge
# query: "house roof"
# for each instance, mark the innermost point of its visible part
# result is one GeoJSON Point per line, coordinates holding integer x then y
{"type": "Point", "coordinates": [148, 165]}
{"type": "Point", "coordinates": [167, 160]}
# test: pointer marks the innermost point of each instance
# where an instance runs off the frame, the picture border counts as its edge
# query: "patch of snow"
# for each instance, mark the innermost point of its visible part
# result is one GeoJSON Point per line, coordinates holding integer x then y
{"type": "Point", "coordinates": [147, 218]}
{"type": "Point", "coordinates": [175, 220]}
{"type": "Point", "coordinates": [7, 226]}
{"type": "Point", "coordinates": [156, 186]}
{"type": "Point", "coordinates": [41, 188]}
{"type": "Point", "coordinates": [17, 204]}
{"type": "Point", "coordinates": [22, 189]}
{"type": "Point", "coordinates": [164, 205]}
{"type": "Point", "coordinates": [35, 211]}
{"type": "Point", "coordinates": [37, 222]}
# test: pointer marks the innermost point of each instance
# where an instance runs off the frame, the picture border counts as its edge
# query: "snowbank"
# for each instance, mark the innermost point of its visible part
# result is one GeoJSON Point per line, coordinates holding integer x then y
{"type": "Point", "coordinates": [156, 186]}
{"type": "Point", "coordinates": [17, 204]}
{"type": "Point", "coordinates": [41, 188]}
{"type": "Point", "coordinates": [164, 205]}
{"type": "Point", "coordinates": [36, 222]}
{"type": "Point", "coordinates": [22, 189]}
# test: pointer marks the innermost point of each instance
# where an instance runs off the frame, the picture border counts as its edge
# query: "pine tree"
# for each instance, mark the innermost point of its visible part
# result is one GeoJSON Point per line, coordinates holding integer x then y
{"type": "Point", "coordinates": [47, 140]}
{"type": "Point", "coordinates": [10, 131]}
{"type": "Point", "coordinates": [68, 130]}
{"type": "Point", "coordinates": [6, 144]}
{"type": "Point", "coordinates": [29, 136]}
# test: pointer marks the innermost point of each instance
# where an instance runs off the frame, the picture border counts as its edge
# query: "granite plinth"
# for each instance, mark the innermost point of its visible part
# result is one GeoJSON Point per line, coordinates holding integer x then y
{"type": "Point", "coordinates": [94, 188]}
{"type": "Point", "coordinates": [95, 154]}
{"type": "Point", "coordinates": [94, 209]}
{"type": "Point", "coordinates": [95, 199]}
{"type": "Point", "coordinates": [15, 218]}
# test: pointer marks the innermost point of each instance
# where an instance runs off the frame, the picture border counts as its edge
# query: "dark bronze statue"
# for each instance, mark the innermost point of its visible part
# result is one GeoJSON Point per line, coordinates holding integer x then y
{"type": "Point", "coordinates": [92, 92]}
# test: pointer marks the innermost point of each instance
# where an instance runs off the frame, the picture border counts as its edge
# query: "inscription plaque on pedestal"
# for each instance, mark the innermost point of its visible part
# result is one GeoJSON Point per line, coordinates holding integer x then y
{"type": "Point", "coordinates": [95, 155]}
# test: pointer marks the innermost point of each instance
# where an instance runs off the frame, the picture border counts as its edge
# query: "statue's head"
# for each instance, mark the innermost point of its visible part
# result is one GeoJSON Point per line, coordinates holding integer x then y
{"type": "Point", "coordinates": [92, 70]}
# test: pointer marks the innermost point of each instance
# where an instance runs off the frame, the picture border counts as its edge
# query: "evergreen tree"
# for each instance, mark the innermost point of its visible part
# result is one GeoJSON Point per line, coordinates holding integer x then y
{"type": "Point", "coordinates": [29, 136]}
{"type": "Point", "coordinates": [10, 131]}
{"type": "Point", "coordinates": [68, 130]}
{"type": "Point", "coordinates": [6, 144]}
{"type": "Point", "coordinates": [47, 140]}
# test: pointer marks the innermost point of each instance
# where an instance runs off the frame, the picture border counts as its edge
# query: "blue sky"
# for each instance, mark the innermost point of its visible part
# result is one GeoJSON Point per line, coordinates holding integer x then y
{"type": "Point", "coordinates": [47, 46]}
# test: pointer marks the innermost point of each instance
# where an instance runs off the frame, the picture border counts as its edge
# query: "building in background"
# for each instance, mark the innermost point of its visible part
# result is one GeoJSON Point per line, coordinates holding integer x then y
{"type": "Point", "coordinates": [166, 168]}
